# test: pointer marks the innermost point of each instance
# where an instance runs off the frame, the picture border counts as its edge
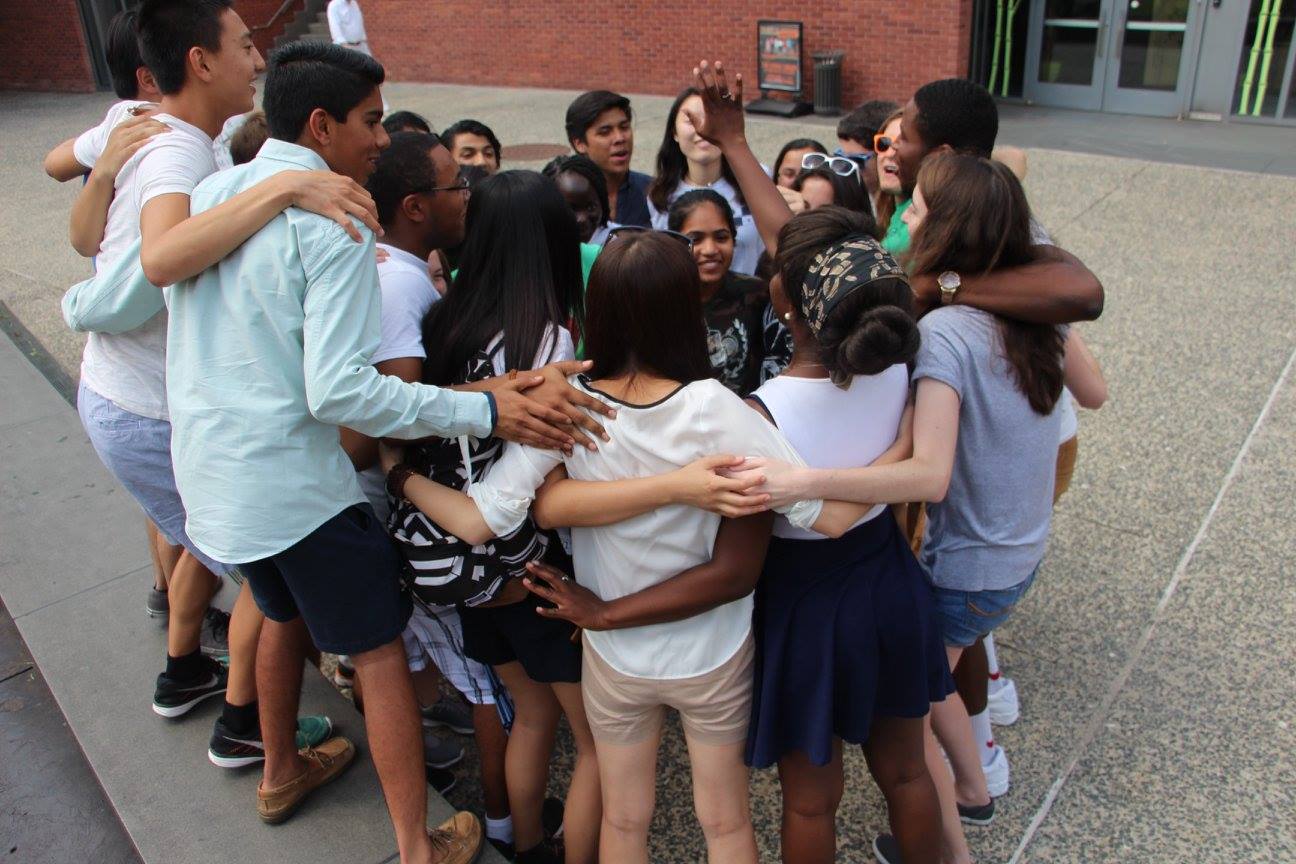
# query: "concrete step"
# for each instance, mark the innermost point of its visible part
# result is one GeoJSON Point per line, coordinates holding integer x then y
{"type": "Point", "coordinates": [77, 594]}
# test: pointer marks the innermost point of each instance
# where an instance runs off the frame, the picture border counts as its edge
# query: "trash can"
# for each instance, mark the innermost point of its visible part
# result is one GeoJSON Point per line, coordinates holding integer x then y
{"type": "Point", "coordinates": [828, 82]}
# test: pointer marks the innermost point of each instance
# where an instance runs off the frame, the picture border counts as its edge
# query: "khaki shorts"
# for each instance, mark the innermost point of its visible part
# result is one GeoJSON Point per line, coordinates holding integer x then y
{"type": "Point", "coordinates": [714, 707]}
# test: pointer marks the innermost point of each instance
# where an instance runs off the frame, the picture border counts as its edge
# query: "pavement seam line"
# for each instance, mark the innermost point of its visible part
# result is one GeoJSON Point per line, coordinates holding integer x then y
{"type": "Point", "coordinates": [16, 674]}
{"type": "Point", "coordinates": [1113, 692]}
{"type": "Point", "coordinates": [81, 591]}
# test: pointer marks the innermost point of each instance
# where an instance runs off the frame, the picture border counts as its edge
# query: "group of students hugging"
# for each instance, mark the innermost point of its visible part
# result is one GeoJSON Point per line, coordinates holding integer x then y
{"type": "Point", "coordinates": [775, 449]}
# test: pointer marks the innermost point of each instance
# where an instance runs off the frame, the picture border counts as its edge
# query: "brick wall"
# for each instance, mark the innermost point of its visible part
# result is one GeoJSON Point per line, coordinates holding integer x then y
{"type": "Point", "coordinates": [256, 13]}
{"type": "Point", "coordinates": [43, 47]}
{"type": "Point", "coordinates": [648, 46]}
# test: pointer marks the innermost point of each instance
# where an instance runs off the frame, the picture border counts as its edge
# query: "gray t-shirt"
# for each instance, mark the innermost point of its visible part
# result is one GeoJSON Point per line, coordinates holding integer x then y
{"type": "Point", "coordinates": [990, 530]}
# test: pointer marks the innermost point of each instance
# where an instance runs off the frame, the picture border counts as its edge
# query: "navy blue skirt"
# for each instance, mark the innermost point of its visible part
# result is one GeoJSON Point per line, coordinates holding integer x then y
{"type": "Point", "coordinates": [846, 630]}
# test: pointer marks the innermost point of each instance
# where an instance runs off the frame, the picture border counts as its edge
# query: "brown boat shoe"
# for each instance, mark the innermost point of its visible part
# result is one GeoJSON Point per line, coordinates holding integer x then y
{"type": "Point", "coordinates": [458, 840]}
{"type": "Point", "coordinates": [323, 765]}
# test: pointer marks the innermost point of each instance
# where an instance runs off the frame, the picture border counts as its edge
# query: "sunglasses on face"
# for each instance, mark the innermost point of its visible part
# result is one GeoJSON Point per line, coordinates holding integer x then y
{"type": "Point", "coordinates": [622, 230]}
{"type": "Point", "coordinates": [882, 143]}
{"type": "Point", "coordinates": [844, 166]}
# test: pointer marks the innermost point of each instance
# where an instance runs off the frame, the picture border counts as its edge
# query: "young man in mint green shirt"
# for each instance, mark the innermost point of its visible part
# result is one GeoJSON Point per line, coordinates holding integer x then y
{"type": "Point", "coordinates": [269, 353]}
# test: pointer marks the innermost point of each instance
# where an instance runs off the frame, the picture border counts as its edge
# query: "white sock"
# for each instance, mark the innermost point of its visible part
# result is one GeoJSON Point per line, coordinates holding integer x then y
{"type": "Point", "coordinates": [992, 660]}
{"type": "Point", "coordinates": [500, 829]}
{"type": "Point", "coordinates": [983, 735]}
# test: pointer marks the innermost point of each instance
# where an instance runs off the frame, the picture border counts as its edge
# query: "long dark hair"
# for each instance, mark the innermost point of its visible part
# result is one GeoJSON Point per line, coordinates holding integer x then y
{"type": "Point", "coordinates": [645, 310]}
{"type": "Point", "coordinates": [672, 167]}
{"type": "Point", "coordinates": [870, 330]}
{"type": "Point", "coordinates": [978, 221]}
{"type": "Point", "coordinates": [519, 272]}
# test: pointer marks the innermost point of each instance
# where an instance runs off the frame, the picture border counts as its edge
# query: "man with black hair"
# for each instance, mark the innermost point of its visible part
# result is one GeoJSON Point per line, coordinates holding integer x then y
{"type": "Point", "coordinates": [472, 142]}
{"type": "Point", "coordinates": [145, 233]}
{"type": "Point", "coordinates": [416, 222]}
{"type": "Point", "coordinates": [405, 121]}
{"type": "Point", "coordinates": [855, 131]}
{"type": "Point", "coordinates": [599, 126]}
{"type": "Point", "coordinates": [134, 85]}
{"type": "Point", "coordinates": [270, 352]}
{"type": "Point", "coordinates": [855, 134]}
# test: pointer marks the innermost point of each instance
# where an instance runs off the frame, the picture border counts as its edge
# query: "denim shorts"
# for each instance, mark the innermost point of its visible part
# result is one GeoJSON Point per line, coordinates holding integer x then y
{"type": "Point", "coordinates": [136, 450]}
{"type": "Point", "coordinates": [966, 616]}
{"type": "Point", "coordinates": [342, 579]}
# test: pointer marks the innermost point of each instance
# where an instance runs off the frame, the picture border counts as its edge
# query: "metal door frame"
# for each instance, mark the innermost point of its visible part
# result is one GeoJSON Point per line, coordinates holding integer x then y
{"type": "Point", "coordinates": [1084, 97]}
{"type": "Point", "coordinates": [1118, 100]}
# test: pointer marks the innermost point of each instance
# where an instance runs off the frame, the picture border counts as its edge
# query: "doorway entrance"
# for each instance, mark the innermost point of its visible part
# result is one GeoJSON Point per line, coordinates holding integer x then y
{"type": "Point", "coordinates": [1125, 56]}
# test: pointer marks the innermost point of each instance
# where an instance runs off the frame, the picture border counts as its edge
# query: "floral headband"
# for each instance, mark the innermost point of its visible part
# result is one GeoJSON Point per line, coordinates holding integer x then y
{"type": "Point", "coordinates": [839, 270]}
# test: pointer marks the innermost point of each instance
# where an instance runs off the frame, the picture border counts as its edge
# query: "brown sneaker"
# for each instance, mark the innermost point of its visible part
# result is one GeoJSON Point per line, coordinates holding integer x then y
{"type": "Point", "coordinates": [323, 764]}
{"type": "Point", "coordinates": [458, 840]}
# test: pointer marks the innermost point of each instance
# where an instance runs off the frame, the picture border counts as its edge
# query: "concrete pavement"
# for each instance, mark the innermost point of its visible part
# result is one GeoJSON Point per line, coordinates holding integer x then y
{"type": "Point", "coordinates": [1151, 656]}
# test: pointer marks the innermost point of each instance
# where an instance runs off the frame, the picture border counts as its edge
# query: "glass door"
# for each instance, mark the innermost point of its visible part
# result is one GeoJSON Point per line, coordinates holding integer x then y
{"type": "Point", "coordinates": [1146, 71]}
{"type": "Point", "coordinates": [1066, 56]}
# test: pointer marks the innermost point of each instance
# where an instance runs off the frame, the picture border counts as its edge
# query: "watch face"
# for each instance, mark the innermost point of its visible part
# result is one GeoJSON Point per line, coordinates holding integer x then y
{"type": "Point", "coordinates": [948, 280]}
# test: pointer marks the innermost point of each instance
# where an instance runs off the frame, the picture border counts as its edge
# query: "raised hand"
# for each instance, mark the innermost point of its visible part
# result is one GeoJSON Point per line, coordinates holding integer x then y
{"type": "Point", "coordinates": [722, 121]}
{"type": "Point", "coordinates": [334, 197]}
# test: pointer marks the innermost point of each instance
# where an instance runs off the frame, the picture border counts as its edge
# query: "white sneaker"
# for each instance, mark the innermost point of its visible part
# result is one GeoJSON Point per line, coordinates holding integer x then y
{"type": "Point", "coordinates": [1004, 708]}
{"type": "Point", "coordinates": [996, 773]}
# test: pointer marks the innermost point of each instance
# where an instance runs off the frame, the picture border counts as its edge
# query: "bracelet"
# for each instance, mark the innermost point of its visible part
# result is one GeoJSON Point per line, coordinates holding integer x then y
{"type": "Point", "coordinates": [397, 477]}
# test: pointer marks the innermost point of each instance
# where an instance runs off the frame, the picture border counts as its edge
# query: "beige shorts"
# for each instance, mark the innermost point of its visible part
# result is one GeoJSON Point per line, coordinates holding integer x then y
{"type": "Point", "coordinates": [714, 707]}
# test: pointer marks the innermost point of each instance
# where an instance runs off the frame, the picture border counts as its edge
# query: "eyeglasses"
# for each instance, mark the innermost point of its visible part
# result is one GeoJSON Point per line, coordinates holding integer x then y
{"type": "Point", "coordinates": [882, 143]}
{"type": "Point", "coordinates": [461, 186]}
{"type": "Point", "coordinates": [633, 229]}
{"type": "Point", "coordinates": [843, 166]}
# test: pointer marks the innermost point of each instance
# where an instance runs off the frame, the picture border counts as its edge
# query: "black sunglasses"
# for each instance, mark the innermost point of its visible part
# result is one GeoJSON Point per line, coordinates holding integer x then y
{"type": "Point", "coordinates": [631, 229]}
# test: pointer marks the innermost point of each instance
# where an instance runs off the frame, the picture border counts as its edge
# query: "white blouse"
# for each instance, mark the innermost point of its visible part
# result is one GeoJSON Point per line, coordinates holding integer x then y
{"type": "Point", "coordinates": [699, 419]}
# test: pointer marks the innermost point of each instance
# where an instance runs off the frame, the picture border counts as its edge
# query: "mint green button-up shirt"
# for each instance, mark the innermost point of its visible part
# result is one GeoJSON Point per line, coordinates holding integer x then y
{"type": "Point", "coordinates": [267, 355]}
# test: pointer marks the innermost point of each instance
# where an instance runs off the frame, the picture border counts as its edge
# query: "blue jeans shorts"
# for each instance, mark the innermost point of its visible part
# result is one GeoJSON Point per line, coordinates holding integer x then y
{"type": "Point", "coordinates": [136, 450]}
{"type": "Point", "coordinates": [966, 616]}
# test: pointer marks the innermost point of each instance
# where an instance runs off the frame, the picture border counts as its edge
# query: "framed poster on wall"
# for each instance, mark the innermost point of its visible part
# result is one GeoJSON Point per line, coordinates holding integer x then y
{"type": "Point", "coordinates": [779, 56]}
{"type": "Point", "coordinates": [778, 68]}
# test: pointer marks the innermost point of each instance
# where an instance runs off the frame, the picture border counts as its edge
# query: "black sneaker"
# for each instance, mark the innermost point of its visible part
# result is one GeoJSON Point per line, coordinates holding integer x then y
{"type": "Point", "coordinates": [505, 849]}
{"type": "Point", "coordinates": [971, 814]}
{"type": "Point", "coordinates": [886, 849]}
{"type": "Point", "coordinates": [551, 817]}
{"type": "Point", "coordinates": [157, 605]}
{"type": "Point", "coordinates": [174, 698]}
{"type": "Point", "coordinates": [228, 750]}
{"type": "Point", "coordinates": [548, 852]}
{"type": "Point", "coordinates": [440, 779]}
{"type": "Point", "coordinates": [214, 639]}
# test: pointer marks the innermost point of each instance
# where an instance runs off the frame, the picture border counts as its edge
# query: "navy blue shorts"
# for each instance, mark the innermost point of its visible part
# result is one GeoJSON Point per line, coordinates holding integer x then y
{"type": "Point", "coordinates": [343, 579]}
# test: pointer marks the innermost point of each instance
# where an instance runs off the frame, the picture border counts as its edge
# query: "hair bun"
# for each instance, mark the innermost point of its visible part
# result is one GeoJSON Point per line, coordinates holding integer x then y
{"type": "Point", "coordinates": [881, 337]}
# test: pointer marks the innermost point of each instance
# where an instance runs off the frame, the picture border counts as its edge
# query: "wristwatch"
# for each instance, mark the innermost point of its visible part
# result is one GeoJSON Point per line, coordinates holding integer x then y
{"type": "Point", "coordinates": [396, 478]}
{"type": "Point", "coordinates": [949, 283]}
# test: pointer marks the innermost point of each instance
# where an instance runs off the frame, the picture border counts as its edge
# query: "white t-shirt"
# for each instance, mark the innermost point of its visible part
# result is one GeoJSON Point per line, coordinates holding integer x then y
{"type": "Point", "coordinates": [700, 419]}
{"type": "Point", "coordinates": [220, 146]}
{"type": "Point", "coordinates": [835, 428]}
{"type": "Point", "coordinates": [747, 244]}
{"type": "Point", "coordinates": [90, 144]}
{"type": "Point", "coordinates": [407, 295]}
{"type": "Point", "coordinates": [129, 369]}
